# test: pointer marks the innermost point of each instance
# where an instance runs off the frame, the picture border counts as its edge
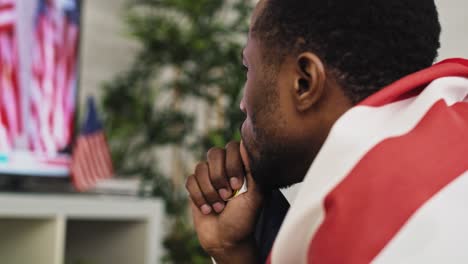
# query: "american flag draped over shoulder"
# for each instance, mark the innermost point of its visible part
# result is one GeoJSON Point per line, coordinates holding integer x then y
{"type": "Point", "coordinates": [91, 159]}
{"type": "Point", "coordinates": [390, 184]}
{"type": "Point", "coordinates": [51, 103]}
{"type": "Point", "coordinates": [10, 108]}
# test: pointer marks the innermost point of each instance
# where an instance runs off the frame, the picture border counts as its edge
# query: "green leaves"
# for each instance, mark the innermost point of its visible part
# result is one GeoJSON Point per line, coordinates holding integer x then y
{"type": "Point", "coordinates": [190, 52]}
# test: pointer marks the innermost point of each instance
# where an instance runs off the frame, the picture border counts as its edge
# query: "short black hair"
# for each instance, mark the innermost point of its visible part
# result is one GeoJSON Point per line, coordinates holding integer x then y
{"type": "Point", "coordinates": [366, 44]}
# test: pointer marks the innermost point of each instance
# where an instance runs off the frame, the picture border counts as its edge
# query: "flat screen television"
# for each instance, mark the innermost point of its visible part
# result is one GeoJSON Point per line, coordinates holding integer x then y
{"type": "Point", "coordinates": [39, 44]}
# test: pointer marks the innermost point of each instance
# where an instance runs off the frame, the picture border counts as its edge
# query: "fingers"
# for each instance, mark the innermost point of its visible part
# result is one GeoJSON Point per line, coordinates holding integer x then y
{"type": "Point", "coordinates": [244, 156]}
{"type": "Point", "coordinates": [196, 195]}
{"type": "Point", "coordinates": [245, 160]}
{"type": "Point", "coordinates": [214, 180]}
{"type": "Point", "coordinates": [202, 175]}
{"type": "Point", "coordinates": [216, 158]}
{"type": "Point", "coordinates": [201, 190]}
{"type": "Point", "coordinates": [253, 193]}
{"type": "Point", "coordinates": [234, 165]}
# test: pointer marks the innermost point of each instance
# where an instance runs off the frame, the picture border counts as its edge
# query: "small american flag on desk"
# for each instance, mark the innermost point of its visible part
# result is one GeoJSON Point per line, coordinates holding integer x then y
{"type": "Point", "coordinates": [91, 159]}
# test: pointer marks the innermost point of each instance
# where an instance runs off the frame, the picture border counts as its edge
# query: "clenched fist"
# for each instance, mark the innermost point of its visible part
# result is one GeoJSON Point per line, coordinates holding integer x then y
{"type": "Point", "coordinates": [225, 226]}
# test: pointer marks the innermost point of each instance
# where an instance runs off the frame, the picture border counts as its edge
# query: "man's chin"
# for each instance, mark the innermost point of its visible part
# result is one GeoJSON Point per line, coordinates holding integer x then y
{"type": "Point", "coordinates": [268, 168]}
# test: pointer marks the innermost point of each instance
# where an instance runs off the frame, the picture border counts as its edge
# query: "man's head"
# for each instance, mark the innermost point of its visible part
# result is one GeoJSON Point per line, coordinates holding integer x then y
{"type": "Point", "coordinates": [309, 61]}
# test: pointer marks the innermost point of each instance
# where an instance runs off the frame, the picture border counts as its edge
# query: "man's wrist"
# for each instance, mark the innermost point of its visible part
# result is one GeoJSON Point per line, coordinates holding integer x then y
{"type": "Point", "coordinates": [245, 252]}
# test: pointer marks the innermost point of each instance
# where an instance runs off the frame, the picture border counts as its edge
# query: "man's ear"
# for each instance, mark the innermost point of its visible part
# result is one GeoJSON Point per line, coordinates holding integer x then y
{"type": "Point", "coordinates": [309, 84]}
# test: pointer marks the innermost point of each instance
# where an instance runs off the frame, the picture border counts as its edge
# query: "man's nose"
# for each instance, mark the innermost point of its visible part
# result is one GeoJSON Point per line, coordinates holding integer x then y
{"type": "Point", "coordinates": [242, 106]}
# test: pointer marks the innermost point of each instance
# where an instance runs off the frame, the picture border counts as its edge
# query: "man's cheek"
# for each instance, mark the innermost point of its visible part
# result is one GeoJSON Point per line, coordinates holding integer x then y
{"type": "Point", "coordinates": [249, 136]}
{"type": "Point", "coordinates": [246, 129]}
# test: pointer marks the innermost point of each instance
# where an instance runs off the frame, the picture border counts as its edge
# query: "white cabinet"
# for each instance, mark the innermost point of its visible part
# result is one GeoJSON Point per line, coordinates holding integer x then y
{"type": "Point", "coordinates": [72, 229]}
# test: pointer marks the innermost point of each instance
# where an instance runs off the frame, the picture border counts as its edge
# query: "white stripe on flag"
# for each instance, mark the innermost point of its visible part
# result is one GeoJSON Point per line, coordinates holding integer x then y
{"type": "Point", "coordinates": [58, 125]}
{"type": "Point", "coordinates": [375, 125]}
{"type": "Point", "coordinates": [7, 18]}
{"type": "Point", "coordinates": [429, 235]}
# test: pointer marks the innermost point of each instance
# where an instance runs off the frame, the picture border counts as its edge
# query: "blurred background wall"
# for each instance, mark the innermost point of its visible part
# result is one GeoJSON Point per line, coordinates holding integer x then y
{"type": "Point", "coordinates": [106, 46]}
{"type": "Point", "coordinates": [454, 38]}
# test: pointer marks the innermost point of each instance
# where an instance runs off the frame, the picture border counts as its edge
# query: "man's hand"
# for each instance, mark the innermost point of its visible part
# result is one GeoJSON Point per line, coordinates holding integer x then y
{"type": "Point", "coordinates": [225, 228]}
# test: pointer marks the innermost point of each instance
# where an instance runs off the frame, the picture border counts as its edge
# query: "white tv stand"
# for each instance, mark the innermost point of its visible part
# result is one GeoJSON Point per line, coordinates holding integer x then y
{"type": "Point", "coordinates": [76, 229]}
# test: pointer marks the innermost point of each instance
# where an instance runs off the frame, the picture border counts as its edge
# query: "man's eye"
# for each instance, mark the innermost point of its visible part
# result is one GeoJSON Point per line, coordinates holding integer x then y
{"type": "Point", "coordinates": [245, 68]}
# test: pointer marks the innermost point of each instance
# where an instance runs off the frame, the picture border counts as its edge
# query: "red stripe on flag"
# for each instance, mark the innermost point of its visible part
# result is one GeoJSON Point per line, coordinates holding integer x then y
{"type": "Point", "coordinates": [405, 87]}
{"type": "Point", "coordinates": [390, 183]}
{"type": "Point", "coordinates": [6, 7]}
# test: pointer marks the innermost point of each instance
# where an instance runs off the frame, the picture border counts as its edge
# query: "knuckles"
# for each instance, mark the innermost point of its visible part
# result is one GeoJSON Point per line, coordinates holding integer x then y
{"type": "Point", "coordinates": [189, 182]}
{"type": "Point", "coordinates": [233, 145]}
{"type": "Point", "coordinates": [202, 167]}
{"type": "Point", "coordinates": [218, 176]}
{"type": "Point", "coordinates": [234, 167]}
{"type": "Point", "coordinates": [217, 172]}
{"type": "Point", "coordinates": [215, 153]}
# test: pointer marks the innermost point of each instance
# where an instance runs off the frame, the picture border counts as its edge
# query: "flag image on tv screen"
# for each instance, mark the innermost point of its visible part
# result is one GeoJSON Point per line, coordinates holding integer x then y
{"type": "Point", "coordinates": [38, 85]}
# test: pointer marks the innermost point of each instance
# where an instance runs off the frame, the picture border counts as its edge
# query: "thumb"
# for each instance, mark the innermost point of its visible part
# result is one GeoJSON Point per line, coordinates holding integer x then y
{"type": "Point", "coordinates": [251, 184]}
{"type": "Point", "coordinates": [244, 157]}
